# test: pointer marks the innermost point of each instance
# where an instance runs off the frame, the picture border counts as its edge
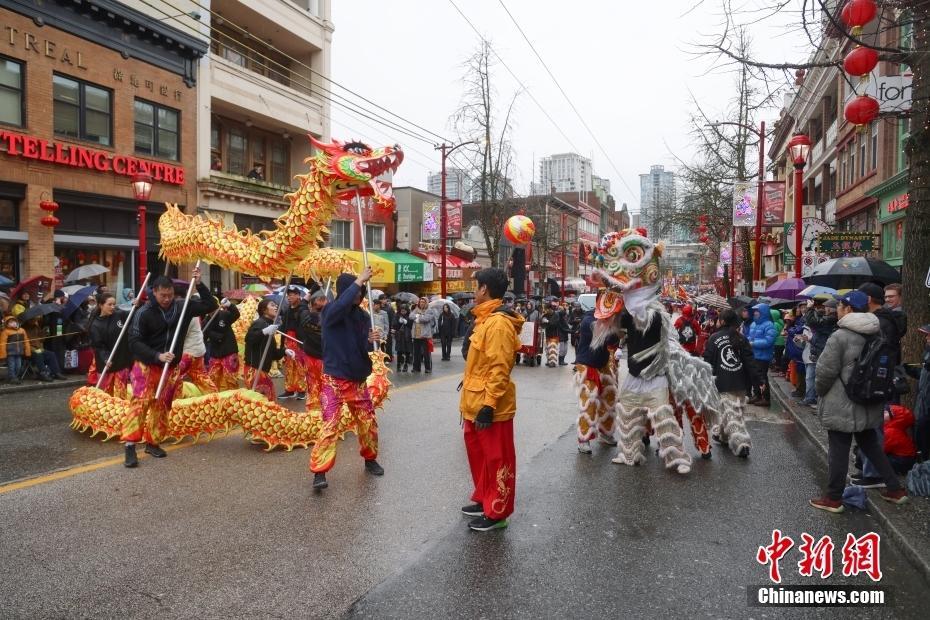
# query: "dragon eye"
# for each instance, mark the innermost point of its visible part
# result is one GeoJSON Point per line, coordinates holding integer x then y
{"type": "Point", "coordinates": [634, 254]}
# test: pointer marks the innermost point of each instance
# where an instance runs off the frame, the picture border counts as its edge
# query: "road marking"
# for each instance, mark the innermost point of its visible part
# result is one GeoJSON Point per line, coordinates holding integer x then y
{"type": "Point", "coordinates": [89, 467]}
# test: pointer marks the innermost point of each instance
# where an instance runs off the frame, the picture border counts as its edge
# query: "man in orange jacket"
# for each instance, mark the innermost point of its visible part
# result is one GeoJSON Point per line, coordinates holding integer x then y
{"type": "Point", "coordinates": [489, 402]}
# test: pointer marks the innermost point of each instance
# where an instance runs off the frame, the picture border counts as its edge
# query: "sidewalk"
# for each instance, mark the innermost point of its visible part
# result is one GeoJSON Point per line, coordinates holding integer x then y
{"type": "Point", "coordinates": [30, 385]}
{"type": "Point", "coordinates": [909, 524]}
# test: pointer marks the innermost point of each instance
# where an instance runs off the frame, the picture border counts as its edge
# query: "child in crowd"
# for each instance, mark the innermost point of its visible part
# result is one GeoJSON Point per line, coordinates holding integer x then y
{"type": "Point", "coordinates": [14, 346]}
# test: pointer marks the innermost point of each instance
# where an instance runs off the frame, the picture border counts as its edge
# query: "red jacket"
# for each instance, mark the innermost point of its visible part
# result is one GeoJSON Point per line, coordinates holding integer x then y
{"type": "Point", "coordinates": [689, 345]}
{"type": "Point", "coordinates": [897, 440]}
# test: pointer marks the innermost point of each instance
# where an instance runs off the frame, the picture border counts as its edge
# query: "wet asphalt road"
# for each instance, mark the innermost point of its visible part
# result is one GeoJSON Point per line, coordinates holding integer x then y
{"type": "Point", "coordinates": [225, 530]}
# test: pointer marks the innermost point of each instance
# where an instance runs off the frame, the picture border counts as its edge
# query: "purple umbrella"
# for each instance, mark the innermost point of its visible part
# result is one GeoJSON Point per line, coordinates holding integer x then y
{"type": "Point", "coordinates": [787, 288]}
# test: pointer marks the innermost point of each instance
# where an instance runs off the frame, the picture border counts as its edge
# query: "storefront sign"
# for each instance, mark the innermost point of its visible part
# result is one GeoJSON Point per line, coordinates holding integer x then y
{"type": "Point", "coordinates": [773, 203]}
{"type": "Point", "coordinates": [898, 204]}
{"type": "Point", "coordinates": [893, 92]}
{"type": "Point", "coordinates": [409, 272]}
{"type": "Point", "coordinates": [846, 243]}
{"type": "Point", "coordinates": [813, 227]}
{"type": "Point", "coordinates": [744, 204]}
{"type": "Point", "coordinates": [44, 47]}
{"type": "Point", "coordinates": [31, 147]}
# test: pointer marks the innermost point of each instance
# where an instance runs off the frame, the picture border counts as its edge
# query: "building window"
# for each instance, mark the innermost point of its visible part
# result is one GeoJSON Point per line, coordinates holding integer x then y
{"type": "Point", "coordinates": [374, 237]}
{"type": "Point", "coordinates": [8, 209]}
{"type": "Point", "coordinates": [874, 145]}
{"type": "Point", "coordinates": [82, 110]}
{"type": "Point", "coordinates": [340, 234]}
{"type": "Point", "coordinates": [904, 131]}
{"type": "Point", "coordinates": [843, 170]}
{"type": "Point", "coordinates": [157, 131]}
{"type": "Point", "coordinates": [852, 163]}
{"type": "Point", "coordinates": [11, 92]}
{"type": "Point", "coordinates": [236, 147]}
{"type": "Point", "coordinates": [862, 160]}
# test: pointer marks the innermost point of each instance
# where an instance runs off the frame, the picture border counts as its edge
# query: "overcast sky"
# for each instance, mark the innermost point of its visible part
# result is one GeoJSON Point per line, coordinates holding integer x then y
{"type": "Point", "coordinates": [626, 66]}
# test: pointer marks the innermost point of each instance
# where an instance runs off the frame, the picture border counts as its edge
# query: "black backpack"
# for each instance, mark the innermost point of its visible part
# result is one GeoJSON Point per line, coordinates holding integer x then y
{"type": "Point", "coordinates": [872, 378]}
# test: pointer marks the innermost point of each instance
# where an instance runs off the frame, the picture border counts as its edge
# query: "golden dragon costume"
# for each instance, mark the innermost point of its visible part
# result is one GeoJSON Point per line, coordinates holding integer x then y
{"type": "Point", "coordinates": [339, 171]}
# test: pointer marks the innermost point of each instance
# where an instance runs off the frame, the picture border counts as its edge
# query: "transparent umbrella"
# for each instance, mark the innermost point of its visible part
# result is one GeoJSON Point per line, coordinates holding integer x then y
{"type": "Point", "coordinates": [439, 303]}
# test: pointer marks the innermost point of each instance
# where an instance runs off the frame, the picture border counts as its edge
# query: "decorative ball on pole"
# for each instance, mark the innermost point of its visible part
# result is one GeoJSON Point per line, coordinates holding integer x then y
{"type": "Point", "coordinates": [519, 229]}
{"type": "Point", "coordinates": [141, 191]}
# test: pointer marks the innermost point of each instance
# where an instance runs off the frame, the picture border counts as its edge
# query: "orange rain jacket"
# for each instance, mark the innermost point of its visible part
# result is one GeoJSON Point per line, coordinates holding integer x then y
{"type": "Point", "coordinates": [492, 352]}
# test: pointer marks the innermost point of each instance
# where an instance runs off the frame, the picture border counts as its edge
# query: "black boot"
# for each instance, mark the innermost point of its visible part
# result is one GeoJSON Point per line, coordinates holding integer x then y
{"type": "Point", "coordinates": [372, 467]}
{"type": "Point", "coordinates": [131, 459]}
{"type": "Point", "coordinates": [562, 361]}
{"type": "Point", "coordinates": [155, 450]}
{"type": "Point", "coordinates": [319, 482]}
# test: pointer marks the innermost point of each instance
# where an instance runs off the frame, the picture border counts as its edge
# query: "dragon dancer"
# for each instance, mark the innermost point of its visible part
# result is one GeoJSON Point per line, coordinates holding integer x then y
{"type": "Point", "coordinates": [150, 337]}
{"type": "Point", "coordinates": [256, 338]}
{"type": "Point", "coordinates": [628, 262]}
{"type": "Point", "coordinates": [596, 387]}
{"type": "Point", "coordinates": [346, 365]}
{"type": "Point", "coordinates": [224, 351]}
{"type": "Point", "coordinates": [293, 319]}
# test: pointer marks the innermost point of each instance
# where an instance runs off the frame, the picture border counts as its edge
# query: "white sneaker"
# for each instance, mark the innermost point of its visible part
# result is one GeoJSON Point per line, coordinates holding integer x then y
{"type": "Point", "coordinates": [607, 440]}
{"type": "Point", "coordinates": [584, 447]}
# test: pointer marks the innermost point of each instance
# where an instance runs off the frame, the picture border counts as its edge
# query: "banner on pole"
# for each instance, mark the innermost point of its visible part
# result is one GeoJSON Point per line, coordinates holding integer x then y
{"type": "Point", "coordinates": [744, 203]}
{"type": "Point", "coordinates": [430, 229]}
{"type": "Point", "coordinates": [773, 203]}
{"type": "Point", "coordinates": [454, 219]}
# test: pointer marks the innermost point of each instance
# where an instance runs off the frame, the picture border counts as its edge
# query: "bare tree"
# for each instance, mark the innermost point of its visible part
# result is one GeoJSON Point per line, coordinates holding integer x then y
{"type": "Point", "coordinates": [490, 157]}
{"type": "Point", "coordinates": [819, 20]}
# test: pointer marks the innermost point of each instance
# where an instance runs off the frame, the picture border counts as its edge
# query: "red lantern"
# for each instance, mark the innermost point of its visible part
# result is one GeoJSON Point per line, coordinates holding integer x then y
{"type": "Point", "coordinates": [50, 220]}
{"type": "Point", "coordinates": [860, 61]}
{"type": "Point", "coordinates": [49, 206]}
{"type": "Point", "coordinates": [861, 110]}
{"type": "Point", "coordinates": [857, 13]}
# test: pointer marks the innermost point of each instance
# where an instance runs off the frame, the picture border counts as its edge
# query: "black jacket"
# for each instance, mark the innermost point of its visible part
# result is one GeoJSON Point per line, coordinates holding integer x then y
{"type": "Point", "coordinates": [447, 324]}
{"type": "Point", "coordinates": [734, 365]}
{"type": "Point", "coordinates": [104, 332]}
{"type": "Point", "coordinates": [822, 325]}
{"type": "Point", "coordinates": [893, 325]}
{"type": "Point", "coordinates": [313, 334]}
{"type": "Point", "coordinates": [152, 330]}
{"type": "Point", "coordinates": [255, 345]}
{"type": "Point", "coordinates": [584, 354]}
{"type": "Point", "coordinates": [294, 319]}
{"type": "Point", "coordinates": [219, 336]}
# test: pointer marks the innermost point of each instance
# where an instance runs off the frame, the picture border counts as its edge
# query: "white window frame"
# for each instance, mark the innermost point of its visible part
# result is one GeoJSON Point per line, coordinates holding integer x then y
{"type": "Point", "coordinates": [368, 242]}
{"type": "Point", "coordinates": [332, 237]}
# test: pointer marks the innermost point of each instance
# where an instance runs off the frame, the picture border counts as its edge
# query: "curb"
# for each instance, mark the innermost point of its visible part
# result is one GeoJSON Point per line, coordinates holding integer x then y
{"type": "Point", "coordinates": [917, 560]}
{"type": "Point", "coordinates": [34, 387]}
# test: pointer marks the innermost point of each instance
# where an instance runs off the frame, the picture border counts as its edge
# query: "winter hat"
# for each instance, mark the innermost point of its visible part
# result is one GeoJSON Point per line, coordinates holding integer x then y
{"type": "Point", "coordinates": [874, 291]}
{"type": "Point", "coordinates": [10, 318]}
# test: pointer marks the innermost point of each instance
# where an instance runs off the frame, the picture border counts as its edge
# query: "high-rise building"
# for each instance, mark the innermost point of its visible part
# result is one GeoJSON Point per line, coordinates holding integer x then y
{"type": "Point", "coordinates": [458, 184]}
{"type": "Point", "coordinates": [658, 202]}
{"type": "Point", "coordinates": [566, 172]}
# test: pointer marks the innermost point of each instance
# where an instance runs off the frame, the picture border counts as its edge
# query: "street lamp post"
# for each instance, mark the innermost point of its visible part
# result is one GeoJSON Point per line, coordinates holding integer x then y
{"type": "Point", "coordinates": [446, 150]}
{"type": "Point", "coordinates": [142, 190]}
{"type": "Point", "coordinates": [798, 148]}
{"type": "Point", "coordinates": [757, 258]}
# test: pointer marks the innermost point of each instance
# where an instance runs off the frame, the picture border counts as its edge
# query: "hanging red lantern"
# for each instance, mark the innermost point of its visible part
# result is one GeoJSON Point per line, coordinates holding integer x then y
{"type": "Point", "coordinates": [860, 61]}
{"type": "Point", "coordinates": [861, 110]}
{"type": "Point", "coordinates": [857, 13]}
{"type": "Point", "coordinates": [80, 257]}
{"type": "Point", "coordinates": [49, 206]}
{"type": "Point", "coordinates": [51, 221]}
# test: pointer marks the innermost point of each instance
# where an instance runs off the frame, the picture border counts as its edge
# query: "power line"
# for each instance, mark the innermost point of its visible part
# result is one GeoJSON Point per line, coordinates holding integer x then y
{"type": "Point", "coordinates": [564, 94]}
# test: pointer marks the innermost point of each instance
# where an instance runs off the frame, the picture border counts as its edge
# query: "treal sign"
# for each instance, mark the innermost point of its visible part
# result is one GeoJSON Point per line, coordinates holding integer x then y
{"type": "Point", "coordinates": [410, 272]}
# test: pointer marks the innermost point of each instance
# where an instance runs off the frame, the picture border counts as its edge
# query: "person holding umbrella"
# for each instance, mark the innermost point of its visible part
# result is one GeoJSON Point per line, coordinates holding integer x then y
{"type": "Point", "coordinates": [424, 326]}
{"type": "Point", "coordinates": [447, 323]}
{"type": "Point", "coordinates": [403, 338]}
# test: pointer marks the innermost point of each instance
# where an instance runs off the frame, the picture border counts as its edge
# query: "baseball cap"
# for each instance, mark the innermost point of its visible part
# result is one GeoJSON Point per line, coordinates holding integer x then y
{"type": "Point", "coordinates": [874, 291]}
{"type": "Point", "coordinates": [855, 299]}
{"type": "Point", "coordinates": [293, 288]}
{"type": "Point", "coordinates": [924, 329]}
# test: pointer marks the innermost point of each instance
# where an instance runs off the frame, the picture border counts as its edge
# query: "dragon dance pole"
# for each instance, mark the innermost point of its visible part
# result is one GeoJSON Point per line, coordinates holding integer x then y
{"type": "Point", "coordinates": [119, 338]}
{"type": "Point", "coordinates": [329, 282]}
{"type": "Point", "coordinates": [361, 225]}
{"type": "Point", "coordinates": [177, 332]}
{"type": "Point", "coordinates": [271, 336]}
{"type": "Point", "coordinates": [210, 320]}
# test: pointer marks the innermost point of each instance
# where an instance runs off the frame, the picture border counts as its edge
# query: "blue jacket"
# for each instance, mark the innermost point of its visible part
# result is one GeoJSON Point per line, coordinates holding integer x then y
{"type": "Point", "coordinates": [762, 334]}
{"type": "Point", "coordinates": [345, 337]}
{"type": "Point", "coordinates": [794, 352]}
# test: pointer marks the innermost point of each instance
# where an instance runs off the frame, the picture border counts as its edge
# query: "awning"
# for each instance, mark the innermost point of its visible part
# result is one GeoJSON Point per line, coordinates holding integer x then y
{"type": "Point", "coordinates": [452, 262]}
{"type": "Point", "coordinates": [393, 267]}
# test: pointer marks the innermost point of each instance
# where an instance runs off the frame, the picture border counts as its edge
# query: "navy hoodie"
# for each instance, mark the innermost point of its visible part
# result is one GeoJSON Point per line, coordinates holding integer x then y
{"type": "Point", "coordinates": [345, 334]}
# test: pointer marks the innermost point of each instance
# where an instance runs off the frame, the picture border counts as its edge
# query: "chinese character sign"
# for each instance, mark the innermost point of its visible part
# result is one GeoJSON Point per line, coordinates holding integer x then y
{"type": "Point", "coordinates": [430, 231]}
{"type": "Point", "coordinates": [854, 244]}
{"type": "Point", "coordinates": [454, 219]}
{"type": "Point", "coordinates": [744, 204]}
{"type": "Point", "coordinates": [773, 203]}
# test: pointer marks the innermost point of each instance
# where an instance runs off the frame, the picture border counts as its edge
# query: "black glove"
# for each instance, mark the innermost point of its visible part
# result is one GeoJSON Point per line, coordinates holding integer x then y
{"type": "Point", "coordinates": [484, 418]}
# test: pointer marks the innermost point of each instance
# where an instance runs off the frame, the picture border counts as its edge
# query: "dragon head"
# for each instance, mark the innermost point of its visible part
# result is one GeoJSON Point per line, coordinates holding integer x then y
{"type": "Point", "coordinates": [354, 168]}
{"type": "Point", "coordinates": [627, 260]}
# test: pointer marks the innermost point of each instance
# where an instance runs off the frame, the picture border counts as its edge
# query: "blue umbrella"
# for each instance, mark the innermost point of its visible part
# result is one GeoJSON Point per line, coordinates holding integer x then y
{"type": "Point", "coordinates": [75, 301]}
{"type": "Point", "coordinates": [813, 290]}
{"type": "Point", "coordinates": [5, 281]}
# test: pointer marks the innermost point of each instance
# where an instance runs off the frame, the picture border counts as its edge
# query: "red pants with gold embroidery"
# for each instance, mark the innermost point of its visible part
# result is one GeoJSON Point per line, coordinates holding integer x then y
{"type": "Point", "coordinates": [265, 387]}
{"type": "Point", "coordinates": [147, 416]}
{"type": "Point", "coordinates": [295, 369]}
{"type": "Point", "coordinates": [493, 463]}
{"type": "Point", "coordinates": [115, 383]}
{"type": "Point", "coordinates": [194, 370]}
{"type": "Point", "coordinates": [696, 422]}
{"type": "Point", "coordinates": [314, 382]}
{"type": "Point", "coordinates": [360, 418]}
{"type": "Point", "coordinates": [224, 372]}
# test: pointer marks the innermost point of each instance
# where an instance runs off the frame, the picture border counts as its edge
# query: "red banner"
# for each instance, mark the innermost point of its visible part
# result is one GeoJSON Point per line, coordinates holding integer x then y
{"type": "Point", "coordinates": [454, 219]}
{"type": "Point", "coordinates": [773, 203]}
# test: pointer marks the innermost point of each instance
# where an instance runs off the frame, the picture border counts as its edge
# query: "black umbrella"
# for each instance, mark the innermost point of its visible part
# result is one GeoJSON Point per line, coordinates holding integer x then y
{"type": "Point", "coordinates": [39, 310]}
{"type": "Point", "coordinates": [739, 301]}
{"type": "Point", "coordinates": [852, 271]}
{"type": "Point", "coordinates": [75, 300]}
{"type": "Point", "coordinates": [458, 296]}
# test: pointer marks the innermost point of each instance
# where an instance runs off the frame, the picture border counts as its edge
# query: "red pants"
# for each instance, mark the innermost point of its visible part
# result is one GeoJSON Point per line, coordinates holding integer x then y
{"type": "Point", "coordinates": [147, 416]}
{"type": "Point", "coordinates": [314, 381]}
{"type": "Point", "coordinates": [224, 371]}
{"type": "Point", "coordinates": [295, 369]}
{"type": "Point", "coordinates": [194, 370]}
{"type": "Point", "coordinates": [493, 464]}
{"type": "Point", "coordinates": [360, 419]}
{"type": "Point", "coordinates": [115, 383]}
{"type": "Point", "coordinates": [696, 422]}
{"type": "Point", "coordinates": [264, 387]}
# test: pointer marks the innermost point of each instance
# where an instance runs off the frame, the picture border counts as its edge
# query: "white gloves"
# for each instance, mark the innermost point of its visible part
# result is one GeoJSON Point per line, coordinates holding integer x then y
{"type": "Point", "coordinates": [402, 321]}
{"type": "Point", "coordinates": [290, 353]}
{"type": "Point", "coordinates": [224, 302]}
{"type": "Point", "coordinates": [270, 330]}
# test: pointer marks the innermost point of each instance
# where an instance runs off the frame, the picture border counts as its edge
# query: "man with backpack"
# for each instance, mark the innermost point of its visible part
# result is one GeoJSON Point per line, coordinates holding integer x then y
{"type": "Point", "coordinates": [851, 386]}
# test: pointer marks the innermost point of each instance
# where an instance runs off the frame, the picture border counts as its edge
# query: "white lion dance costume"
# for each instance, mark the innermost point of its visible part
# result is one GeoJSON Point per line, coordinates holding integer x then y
{"type": "Point", "coordinates": [628, 262]}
